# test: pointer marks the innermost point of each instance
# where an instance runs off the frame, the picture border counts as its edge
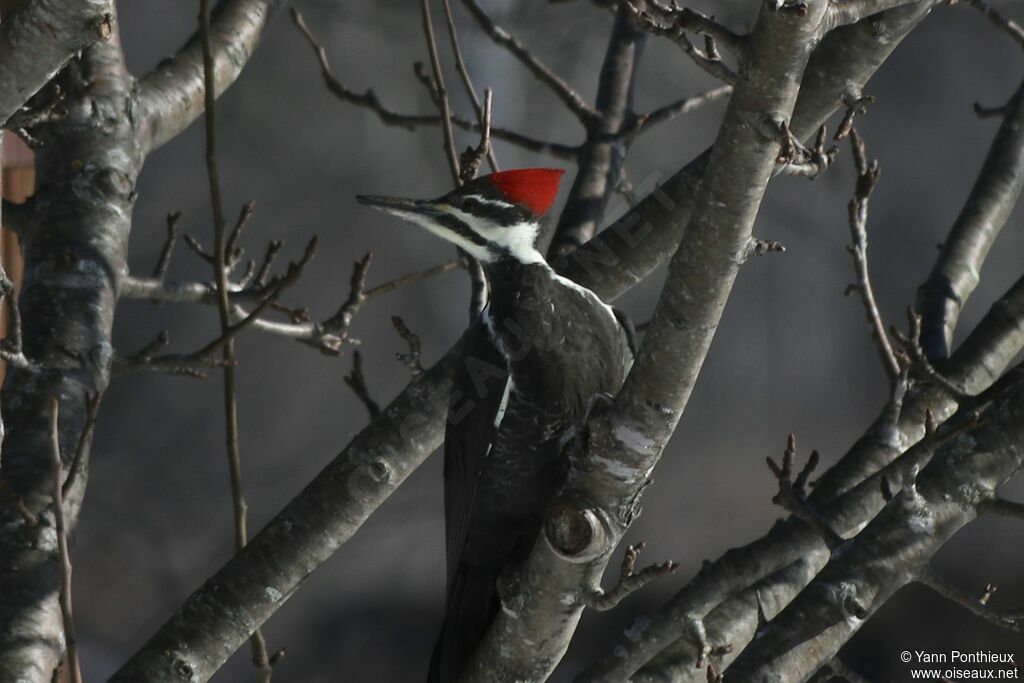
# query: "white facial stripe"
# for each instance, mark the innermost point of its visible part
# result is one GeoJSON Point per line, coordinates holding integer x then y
{"type": "Point", "coordinates": [491, 202]}
{"type": "Point", "coordinates": [477, 251]}
{"type": "Point", "coordinates": [517, 239]}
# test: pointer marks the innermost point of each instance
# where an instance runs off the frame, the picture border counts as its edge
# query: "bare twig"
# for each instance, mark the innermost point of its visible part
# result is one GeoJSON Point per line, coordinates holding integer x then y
{"type": "Point", "coordinates": [369, 100]}
{"type": "Point", "coordinates": [483, 113]}
{"type": "Point", "coordinates": [663, 22]}
{"type": "Point", "coordinates": [558, 86]}
{"type": "Point", "coordinates": [812, 162]}
{"type": "Point", "coordinates": [222, 244]}
{"type": "Point", "coordinates": [1001, 508]}
{"type": "Point", "coordinates": [1009, 619]}
{"type": "Point", "coordinates": [792, 495]}
{"type": "Point", "coordinates": [411, 278]}
{"type": "Point", "coordinates": [470, 160]}
{"type": "Point", "coordinates": [867, 176]}
{"type": "Point", "coordinates": [442, 93]}
{"type": "Point", "coordinates": [162, 263]}
{"type": "Point", "coordinates": [410, 360]}
{"type": "Point", "coordinates": [16, 501]}
{"type": "Point", "coordinates": [918, 360]}
{"type": "Point", "coordinates": [643, 122]}
{"type": "Point", "coordinates": [356, 381]}
{"type": "Point", "coordinates": [630, 581]}
{"type": "Point", "coordinates": [1012, 28]}
{"type": "Point", "coordinates": [92, 405]}
{"type": "Point", "coordinates": [71, 644]}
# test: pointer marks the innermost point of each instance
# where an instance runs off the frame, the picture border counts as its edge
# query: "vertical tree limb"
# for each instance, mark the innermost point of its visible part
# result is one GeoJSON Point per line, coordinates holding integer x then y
{"type": "Point", "coordinates": [260, 657]}
{"type": "Point", "coordinates": [60, 528]}
{"type": "Point", "coordinates": [958, 270]}
{"type": "Point", "coordinates": [441, 94]}
{"type": "Point", "coordinates": [460, 66]}
{"type": "Point", "coordinates": [74, 256]}
{"type": "Point", "coordinates": [601, 161]}
{"type": "Point", "coordinates": [532, 632]}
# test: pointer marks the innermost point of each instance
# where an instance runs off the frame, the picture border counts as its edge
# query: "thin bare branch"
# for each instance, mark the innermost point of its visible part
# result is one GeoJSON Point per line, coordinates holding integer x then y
{"type": "Point", "coordinates": [78, 462]}
{"type": "Point", "coordinates": [164, 261]}
{"type": "Point", "coordinates": [553, 81]}
{"type": "Point", "coordinates": [1001, 507]}
{"type": "Point", "coordinates": [1012, 620]}
{"type": "Point", "coordinates": [224, 246]}
{"type": "Point", "coordinates": [411, 359]}
{"type": "Point", "coordinates": [370, 101]}
{"type": "Point", "coordinates": [629, 582]}
{"type": "Point", "coordinates": [672, 25]}
{"type": "Point", "coordinates": [441, 93]}
{"type": "Point", "coordinates": [792, 495]}
{"type": "Point", "coordinates": [603, 154]}
{"type": "Point", "coordinates": [11, 497]}
{"type": "Point", "coordinates": [356, 381]}
{"type": "Point", "coordinates": [867, 176]}
{"type": "Point", "coordinates": [643, 122]}
{"type": "Point", "coordinates": [60, 528]}
{"type": "Point", "coordinates": [472, 157]}
{"type": "Point", "coordinates": [483, 114]}
{"type": "Point", "coordinates": [1011, 27]}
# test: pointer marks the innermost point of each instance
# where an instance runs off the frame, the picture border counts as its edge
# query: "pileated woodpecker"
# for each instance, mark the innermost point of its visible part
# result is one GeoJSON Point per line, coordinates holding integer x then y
{"type": "Point", "coordinates": [542, 349]}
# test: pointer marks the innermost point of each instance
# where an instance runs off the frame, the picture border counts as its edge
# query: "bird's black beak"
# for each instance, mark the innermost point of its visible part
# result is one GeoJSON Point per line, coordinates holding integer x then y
{"type": "Point", "coordinates": [399, 206]}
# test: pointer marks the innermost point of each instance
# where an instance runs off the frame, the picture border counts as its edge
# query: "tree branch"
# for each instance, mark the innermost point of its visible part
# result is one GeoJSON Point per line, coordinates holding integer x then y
{"type": "Point", "coordinates": [1010, 619]}
{"type": "Point", "coordinates": [603, 155]}
{"type": "Point", "coordinates": [221, 255]}
{"type": "Point", "coordinates": [919, 520]}
{"type": "Point", "coordinates": [528, 638]}
{"type": "Point", "coordinates": [441, 93]}
{"type": "Point", "coordinates": [482, 117]}
{"type": "Point", "coordinates": [1012, 28]}
{"type": "Point", "coordinates": [61, 530]}
{"type": "Point", "coordinates": [958, 269]}
{"type": "Point", "coordinates": [370, 101]}
{"type": "Point", "coordinates": [545, 75]}
{"type": "Point", "coordinates": [867, 176]}
{"type": "Point", "coordinates": [283, 554]}
{"type": "Point", "coordinates": [73, 259]}
{"type": "Point", "coordinates": [171, 96]}
{"type": "Point", "coordinates": [39, 37]}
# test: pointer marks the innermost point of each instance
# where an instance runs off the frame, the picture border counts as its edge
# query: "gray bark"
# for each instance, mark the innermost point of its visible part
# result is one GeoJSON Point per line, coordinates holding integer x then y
{"type": "Point", "coordinates": [846, 512]}
{"type": "Point", "coordinates": [74, 243]}
{"type": "Point", "coordinates": [849, 55]}
{"type": "Point", "coordinates": [958, 269]}
{"type": "Point", "coordinates": [74, 257]}
{"type": "Point", "coordinates": [541, 604]}
{"type": "Point", "coordinates": [894, 549]}
{"type": "Point", "coordinates": [38, 38]}
{"type": "Point", "coordinates": [171, 96]}
{"type": "Point", "coordinates": [601, 161]}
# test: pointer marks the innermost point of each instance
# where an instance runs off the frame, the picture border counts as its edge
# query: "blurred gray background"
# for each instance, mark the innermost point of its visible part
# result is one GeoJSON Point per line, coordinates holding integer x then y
{"type": "Point", "coordinates": [792, 354]}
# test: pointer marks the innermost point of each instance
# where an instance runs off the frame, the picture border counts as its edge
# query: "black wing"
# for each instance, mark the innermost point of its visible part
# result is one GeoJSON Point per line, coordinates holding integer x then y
{"type": "Point", "coordinates": [478, 388]}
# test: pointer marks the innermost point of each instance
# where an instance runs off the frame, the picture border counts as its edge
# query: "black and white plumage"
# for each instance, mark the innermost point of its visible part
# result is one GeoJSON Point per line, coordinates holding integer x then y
{"type": "Point", "coordinates": [531, 365]}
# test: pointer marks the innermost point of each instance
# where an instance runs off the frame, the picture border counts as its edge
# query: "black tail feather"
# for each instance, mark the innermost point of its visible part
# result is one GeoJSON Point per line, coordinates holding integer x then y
{"type": "Point", "coordinates": [472, 605]}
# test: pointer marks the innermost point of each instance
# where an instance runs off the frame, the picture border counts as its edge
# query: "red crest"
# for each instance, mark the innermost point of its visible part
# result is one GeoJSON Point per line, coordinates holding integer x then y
{"type": "Point", "coordinates": [534, 188]}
